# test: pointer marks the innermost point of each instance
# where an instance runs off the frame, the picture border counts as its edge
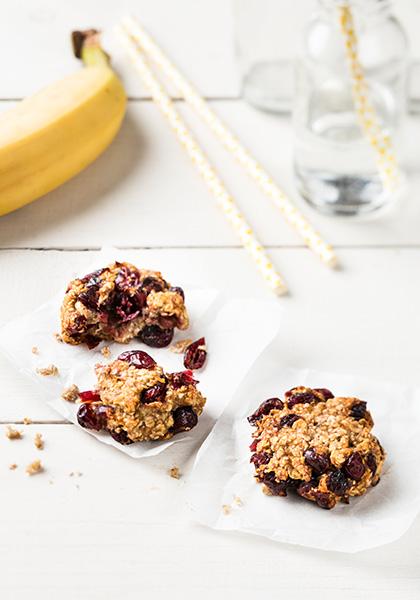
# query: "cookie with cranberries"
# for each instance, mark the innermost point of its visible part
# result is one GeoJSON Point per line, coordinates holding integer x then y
{"type": "Point", "coordinates": [319, 446]}
{"type": "Point", "coordinates": [120, 302]}
{"type": "Point", "coordinates": [135, 401]}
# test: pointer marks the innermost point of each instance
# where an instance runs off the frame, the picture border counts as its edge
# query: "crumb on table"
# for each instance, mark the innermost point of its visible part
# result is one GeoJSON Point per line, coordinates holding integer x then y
{"type": "Point", "coordinates": [35, 350]}
{"type": "Point", "coordinates": [38, 441]}
{"type": "Point", "coordinates": [106, 351]}
{"type": "Point", "coordinates": [226, 509]}
{"type": "Point", "coordinates": [58, 337]}
{"type": "Point", "coordinates": [175, 473]}
{"type": "Point", "coordinates": [13, 434]}
{"type": "Point", "coordinates": [34, 468]}
{"type": "Point", "coordinates": [71, 394]}
{"type": "Point", "coordinates": [51, 370]}
{"type": "Point", "coordinates": [181, 346]}
{"type": "Point", "coordinates": [13, 466]}
{"type": "Point", "coordinates": [238, 501]}
{"type": "Point", "coordinates": [27, 421]}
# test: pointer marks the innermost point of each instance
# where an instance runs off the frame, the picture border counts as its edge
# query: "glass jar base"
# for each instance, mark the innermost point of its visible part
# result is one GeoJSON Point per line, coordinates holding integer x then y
{"type": "Point", "coordinates": [343, 195]}
{"type": "Point", "coordinates": [268, 86]}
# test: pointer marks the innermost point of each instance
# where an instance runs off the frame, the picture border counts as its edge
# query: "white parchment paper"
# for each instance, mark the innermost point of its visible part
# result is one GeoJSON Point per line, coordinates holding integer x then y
{"type": "Point", "coordinates": [222, 470]}
{"type": "Point", "coordinates": [236, 332]}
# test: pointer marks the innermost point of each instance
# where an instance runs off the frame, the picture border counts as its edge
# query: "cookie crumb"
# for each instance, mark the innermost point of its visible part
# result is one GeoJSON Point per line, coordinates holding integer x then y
{"type": "Point", "coordinates": [238, 501]}
{"type": "Point", "coordinates": [106, 351]}
{"type": "Point", "coordinates": [34, 468]}
{"type": "Point", "coordinates": [226, 509]}
{"type": "Point", "coordinates": [181, 346]}
{"type": "Point", "coordinates": [51, 370]}
{"type": "Point", "coordinates": [35, 350]}
{"type": "Point", "coordinates": [27, 421]}
{"type": "Point", "coordinates": [13, 434]}
{"type": "Point", "coordinates": [175, 473]}
{"type": "Point", "coordinates": [13, 466]}
{"type": "Point", "coordinates": [51, 482]}
{"type": "Point", "coordinates": [71, 474]}
{"type": "Point", "coordinates": [71, 394]}
{"type": "Point", "coordinates": [58, 337]}
{"type": "Point", "coordinates": [38, 441]}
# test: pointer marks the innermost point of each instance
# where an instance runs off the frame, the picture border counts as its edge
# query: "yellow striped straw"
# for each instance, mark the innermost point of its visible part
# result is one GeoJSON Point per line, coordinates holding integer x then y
{"type": "Point", "coordinates": [379, 141]}
{"type": "Point", "coordinates": [206, 170]}
{"type": "Point", "coordinates": [292, 215]}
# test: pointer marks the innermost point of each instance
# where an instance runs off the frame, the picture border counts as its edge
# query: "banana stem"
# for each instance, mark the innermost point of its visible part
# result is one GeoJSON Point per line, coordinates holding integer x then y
{"type": "Point", "coordinates": [87, 47]}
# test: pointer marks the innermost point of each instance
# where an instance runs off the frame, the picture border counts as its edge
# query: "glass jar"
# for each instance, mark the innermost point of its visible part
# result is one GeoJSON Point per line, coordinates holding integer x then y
{"type": "Point", "coordinates": [266, 74]}
{"type": "Point", "coordinates": [334, 163]}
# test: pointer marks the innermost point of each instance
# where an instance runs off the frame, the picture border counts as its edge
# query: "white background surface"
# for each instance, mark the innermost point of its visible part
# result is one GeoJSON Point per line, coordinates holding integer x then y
{"type": "Point", "coordinates": [108, 534]}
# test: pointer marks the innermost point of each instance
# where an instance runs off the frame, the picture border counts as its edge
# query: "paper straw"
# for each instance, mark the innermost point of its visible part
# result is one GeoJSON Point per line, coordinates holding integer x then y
{"type": "Point", "coordinates": [379, 141]}
{"type": "Point", "coordinates": [292, 215]}
{"type": "Point", "coordinates": [200, 161]}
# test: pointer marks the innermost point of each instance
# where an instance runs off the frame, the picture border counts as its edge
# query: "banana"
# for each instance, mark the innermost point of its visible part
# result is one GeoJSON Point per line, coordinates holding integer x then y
{"type": "Point", "coordinates": [51, 136]}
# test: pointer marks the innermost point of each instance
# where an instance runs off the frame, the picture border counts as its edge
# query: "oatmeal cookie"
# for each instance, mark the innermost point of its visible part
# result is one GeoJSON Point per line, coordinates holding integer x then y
{"type": "Point", "coordinates": [136, 401]}
{"type": "Point", "coordinates": [120, 302]}
{"type": "Point", "coordinates": [318, 445]}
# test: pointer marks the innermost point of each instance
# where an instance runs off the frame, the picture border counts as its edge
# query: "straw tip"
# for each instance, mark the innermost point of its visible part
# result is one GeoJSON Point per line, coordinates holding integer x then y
{"type": "Point", "coordinates": [281, 290]}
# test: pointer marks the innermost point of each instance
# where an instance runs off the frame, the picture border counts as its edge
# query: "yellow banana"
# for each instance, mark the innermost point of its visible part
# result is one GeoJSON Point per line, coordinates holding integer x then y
{"type": "Point", "coordinates": [49, 137]}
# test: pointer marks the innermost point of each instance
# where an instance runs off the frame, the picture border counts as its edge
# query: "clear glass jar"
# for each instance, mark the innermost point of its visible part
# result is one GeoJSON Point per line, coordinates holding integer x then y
{"type": "Point", "coordinates": [266, 74]}
{"type": "Point", "coordinates": [335, 166]}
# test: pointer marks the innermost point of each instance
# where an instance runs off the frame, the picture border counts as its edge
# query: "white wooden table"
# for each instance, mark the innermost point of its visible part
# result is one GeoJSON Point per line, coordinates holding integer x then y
{"type": "Point", "coordinates": [110, 534]}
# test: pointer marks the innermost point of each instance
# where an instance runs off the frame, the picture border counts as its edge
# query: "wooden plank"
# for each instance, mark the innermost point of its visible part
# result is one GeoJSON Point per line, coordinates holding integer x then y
{"type": "Point", "coordinates": [143, 191]}
{"type": "Point", "coordinates": [36, 35]}
{"type": "Point", "coordinates": [201, 43]}
{"type": "Point", "coordinates": [99, 536]}
{"type": "Point", "coordinates": [363, 319]}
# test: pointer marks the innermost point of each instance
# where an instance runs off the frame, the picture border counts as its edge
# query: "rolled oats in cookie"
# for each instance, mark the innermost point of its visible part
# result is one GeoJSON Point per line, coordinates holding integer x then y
{"type": "Point", "coordinates": [316, 444]}
{"type": "Point", "coordinates": [136, 401]}
{"type": "Point", "coordinates": [120, 302]}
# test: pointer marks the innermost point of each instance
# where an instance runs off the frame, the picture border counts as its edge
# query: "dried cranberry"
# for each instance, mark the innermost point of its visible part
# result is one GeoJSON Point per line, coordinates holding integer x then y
{"type": "Point", "coordinates": [254, 445]}
{"type": "Point", "coordinates": [319, 462]}
{"type": "Point", "coordinates": [265, 408]}
{"type": "Point", "coordinates": [326, 393]}
{"type": "Point", "coordinates": [151, 283]}
{"type": "Point", "coordinates": [371, 462]}
{"type": "Point", "coordinates": [94, 277]}
{"type": "Point", "coordinates": [121, 437]}
{"type": "Point", "coordinates": [127, 279]}
{"type": "Point", "coordinates": [354, 466]}
{"type": "Point", "coordinates": [91, 341]}
{"type": "Point", "coordinates": [325, 500]}
{"type": "Point", "coordinates": [184, 419]}
{"type": "Point", "coordinates": [338, 483]}
{"type": "Point", "coordinates": [260, 458]}
{"type": "Point", "coordinates": [155, 393]}
{"type": "Point", "coordinates": [358, 410]}
{"type": "Point", "coordinates": [154, 336]}
{"type": "Point", "coordinates": [182, 378]}
{"type": "Point", "coordinates": [138, 359]}
{"type": "Point", "coordinates": [121, 307]}
{"type": "Point", "coordinates": [178, 290]}
{"type": "Point", "coordinates": [89, 396]}
{"type": "Point", "coordinates": [288, 420]}
{"type": "Point", "coordinates": [195, 354]}
{"type": "Point", "coordinates": [305, 489]}
{"type": "Point", "coordinates": [90, 297]}
{"type": "Point", "coordinates": [92, 416]}
{"type": "Point", "coordinates": [277, 488]}
{"type": "Point", "coordinates": [301, 398]}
